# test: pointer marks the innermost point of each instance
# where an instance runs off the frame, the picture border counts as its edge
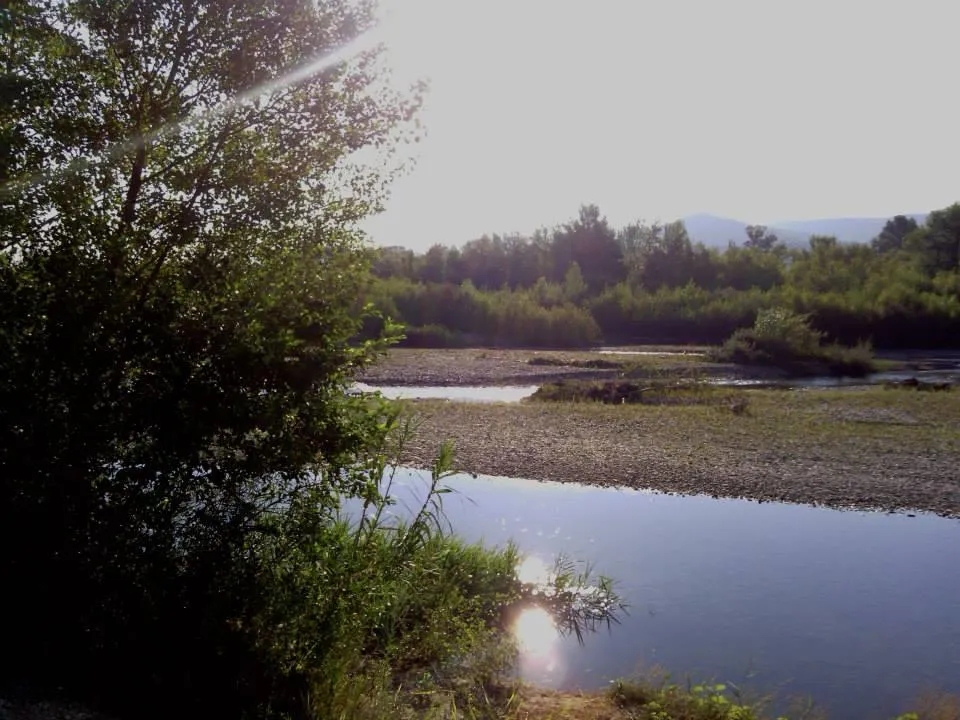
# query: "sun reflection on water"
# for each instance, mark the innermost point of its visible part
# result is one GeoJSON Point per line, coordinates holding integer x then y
{"type": "Point", "coordinates": [533, 570]}
{"type": "Point", "coordinates": [536, 632]}
{"type": "Point", "coordinates": [539, 658]}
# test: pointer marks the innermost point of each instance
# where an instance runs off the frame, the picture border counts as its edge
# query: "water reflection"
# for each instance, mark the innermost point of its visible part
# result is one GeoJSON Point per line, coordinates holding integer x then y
{"type": "Point", "coordinates": [536, 633]}
{"type": "Point", "coordinates": [462, 393]}
{"type": "Point", "coordinates": [823, 381]}
{"type": "Point", "coordinates": [652, 353]}
{"type": "Point", "coordinates": [852, 608]}
{"type": "Point", "coordinates": [540, 652]}
{"type": "Point", "coordinates": [534, 571]}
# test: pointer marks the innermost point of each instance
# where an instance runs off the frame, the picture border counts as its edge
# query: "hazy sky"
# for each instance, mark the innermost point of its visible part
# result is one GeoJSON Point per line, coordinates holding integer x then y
{"type": "Point", "coordinates": [759, 110]}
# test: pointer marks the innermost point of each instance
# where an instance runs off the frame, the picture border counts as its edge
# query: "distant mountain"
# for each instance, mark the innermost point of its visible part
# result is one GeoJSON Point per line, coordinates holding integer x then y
{"type": "Point", "coordinates": [859, 230]}
{"type": "Point", "coordinates": [714, 231]}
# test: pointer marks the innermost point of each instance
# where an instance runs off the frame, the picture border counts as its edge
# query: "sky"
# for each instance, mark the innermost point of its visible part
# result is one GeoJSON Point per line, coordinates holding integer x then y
{"type": "Point", "coordinates": [758, 110]}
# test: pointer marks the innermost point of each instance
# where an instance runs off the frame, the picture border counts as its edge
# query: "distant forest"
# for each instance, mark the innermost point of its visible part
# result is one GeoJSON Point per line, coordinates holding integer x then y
{"type": "Point", "coordinates": [584, 283]}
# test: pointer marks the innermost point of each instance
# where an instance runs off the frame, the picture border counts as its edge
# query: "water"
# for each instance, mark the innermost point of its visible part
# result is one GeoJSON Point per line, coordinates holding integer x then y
{"type": "Point", "coordinates": [820, 381]}
{"type": "Point", "coordinates": [943, 367]}
{"type": "Point", "coordinates": [463, 393]}
{"type": "Point", "coordinates": [652, 353]}
{"type": "Point", "coordinates": [859, 610]}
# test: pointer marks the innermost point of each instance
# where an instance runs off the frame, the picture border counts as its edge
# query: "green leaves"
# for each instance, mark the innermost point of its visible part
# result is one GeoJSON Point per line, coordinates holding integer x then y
{"type": "Point", "coordinates": [179, 273]}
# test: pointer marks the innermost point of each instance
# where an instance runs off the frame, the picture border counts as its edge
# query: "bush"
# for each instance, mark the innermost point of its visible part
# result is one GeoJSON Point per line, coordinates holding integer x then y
{"type": "Point", "coordinates": [786, 340]}
{"type": "Point", "coordinates": [778, 327]}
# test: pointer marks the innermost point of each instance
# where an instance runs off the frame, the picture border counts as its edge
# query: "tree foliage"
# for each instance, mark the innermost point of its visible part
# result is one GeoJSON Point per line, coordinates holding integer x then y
{"type": "Point", "coordinates": [937, 243]}
{"type": "Point", "coordinates": [760, 238]}
{"type": "Point", "coordinates": [894, 232]}
{"type": "Point", "coordinates": [178, 301]}
{"type": "Point", "coordinates": [901, 290]}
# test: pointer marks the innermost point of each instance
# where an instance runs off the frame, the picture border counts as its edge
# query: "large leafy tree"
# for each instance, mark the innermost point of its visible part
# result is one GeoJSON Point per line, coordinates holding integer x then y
{"type": "Point", "coordinates": [590, 242]}
{"type": "Point", "coordinates": [894, 232]}
{"type": "Point", "coordinates": [179, 269]}
{"type": "Point", "coordinates": [937, 242]}
{"type": "Point", "coordinates": [760, 238]}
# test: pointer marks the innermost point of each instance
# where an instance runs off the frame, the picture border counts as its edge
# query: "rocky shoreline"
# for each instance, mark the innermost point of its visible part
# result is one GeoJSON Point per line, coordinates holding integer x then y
{"type": "Point", "coordinates": [877, 448]}
{"type": "Point", "coordinates": [478, 366]}
{"type": "Point", "coordinates": [660, 449]}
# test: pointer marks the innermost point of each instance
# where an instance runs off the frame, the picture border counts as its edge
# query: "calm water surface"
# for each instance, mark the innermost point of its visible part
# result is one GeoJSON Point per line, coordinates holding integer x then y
{"type": "Point", "coordinates": [651, 353]}
{"type": "Point", "coordinates": [859, 610]}
{"type": "Point", "coordinates": [826, 382]}
{"type": "Point", "coordinates": [463, 393]}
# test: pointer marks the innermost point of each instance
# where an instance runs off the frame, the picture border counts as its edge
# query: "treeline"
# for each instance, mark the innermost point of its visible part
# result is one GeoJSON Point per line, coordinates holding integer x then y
{"type": "Point", "coordinates": [585, 282]}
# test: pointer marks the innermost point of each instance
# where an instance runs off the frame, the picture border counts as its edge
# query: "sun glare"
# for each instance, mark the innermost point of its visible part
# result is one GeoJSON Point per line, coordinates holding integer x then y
{"type": "Point", "coordinates": [536, 633]}
{"type": "Point", "coordinates": [533, 570]}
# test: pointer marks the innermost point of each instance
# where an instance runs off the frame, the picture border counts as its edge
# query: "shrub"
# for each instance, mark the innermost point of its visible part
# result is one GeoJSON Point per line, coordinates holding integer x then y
{"type": "Point", "coordinates": [786, 340]}
{"type": "Point", "coordinates": [778, 327]}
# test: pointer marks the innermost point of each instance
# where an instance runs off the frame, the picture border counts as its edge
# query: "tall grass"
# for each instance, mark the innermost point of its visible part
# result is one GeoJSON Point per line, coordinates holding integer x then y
{"type": "Point", "coordinates": [379, 615]}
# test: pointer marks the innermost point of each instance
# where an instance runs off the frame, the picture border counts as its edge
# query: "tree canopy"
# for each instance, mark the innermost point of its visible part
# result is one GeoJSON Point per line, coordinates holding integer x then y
{"type": "Point", "coordinates": [650, 282]}
{"type": "Point", "coordinates": [179, 273]}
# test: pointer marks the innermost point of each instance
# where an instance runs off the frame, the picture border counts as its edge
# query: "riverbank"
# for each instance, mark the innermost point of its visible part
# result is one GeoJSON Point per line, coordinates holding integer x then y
{"type": "Point", "coordinates": [480, 366]}
{"type": "Point", "coordinates": [625, 701]}
{"type": "Point", "coordinates": [498, 366]}
{"type": "Point", "coordinates": [869, 448]}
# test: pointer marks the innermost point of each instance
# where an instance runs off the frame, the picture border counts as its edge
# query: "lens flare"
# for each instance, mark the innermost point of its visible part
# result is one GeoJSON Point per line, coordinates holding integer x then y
{"type": "Point", "coordinates": [362, 43]}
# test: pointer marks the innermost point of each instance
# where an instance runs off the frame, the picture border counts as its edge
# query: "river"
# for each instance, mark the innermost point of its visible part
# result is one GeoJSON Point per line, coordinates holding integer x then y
{"type": "Point", "coordinates": [858, 610]}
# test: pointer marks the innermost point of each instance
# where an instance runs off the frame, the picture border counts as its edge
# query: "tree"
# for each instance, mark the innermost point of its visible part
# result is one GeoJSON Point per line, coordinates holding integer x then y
{"type": "Point", "coordinates": [937, 243]}
{"type": "Point", "coordinates": [667, 258]}
{"type": "Point", "coordinates": [434, 266]}
{"type": "Point", "coordinates": [743, 269]}
{"type": "Point", "coordinates": [573, 285]}
{"type": "Point", "coordinates": [484, 261]}
{"type": "Point", "coordinates": [893, 234]}
{"type": "Point", "coordinates": [393, 262]}
{"type": "Point", "coordinates": [592, 244]}
{"type": "Point", "coordinates": [178, 281]}
{"type": "Point", "coordinates": [759, 238]}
